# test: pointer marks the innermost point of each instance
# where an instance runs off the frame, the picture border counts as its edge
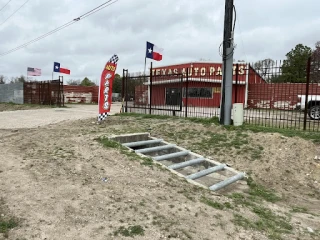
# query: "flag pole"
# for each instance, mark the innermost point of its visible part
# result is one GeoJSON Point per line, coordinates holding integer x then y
{"type": "Point", "coordinates": [145, 65]}
{"type": "Point", "coordinates": [145, 59]}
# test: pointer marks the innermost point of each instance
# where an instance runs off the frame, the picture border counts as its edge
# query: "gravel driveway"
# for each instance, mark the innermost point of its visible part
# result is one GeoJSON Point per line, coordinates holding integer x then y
{"type": "Point", "coordinates": [41, 117]}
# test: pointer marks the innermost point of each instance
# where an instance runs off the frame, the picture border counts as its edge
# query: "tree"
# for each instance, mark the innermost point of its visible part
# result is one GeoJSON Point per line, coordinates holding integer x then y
{"type": "Point", "coordinates": [294, 67]}
{"type": "Point", "coordinates": [315, 64]}
{"type": "Point", "coordinates": [265, 68]}
{"type": "Point", "coordinates": [74, 82]}
{"type": "Point", "coordinates": [20, 79]}
{"type": "Point", "coordinates": [117, 84]}
{"type": "Point", "coordinates": [2, 79]}
{"type": "Point", "coordinates": [87, 82]}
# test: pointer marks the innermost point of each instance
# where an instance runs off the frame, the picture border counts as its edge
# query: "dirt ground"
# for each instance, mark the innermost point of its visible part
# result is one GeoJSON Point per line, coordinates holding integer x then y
{"type": "Point", "coordinates": [59, 182]}
{"type": "Point", "coordinates": [15, 107]}
{"type": "Point", "coordinates": [16, 116]}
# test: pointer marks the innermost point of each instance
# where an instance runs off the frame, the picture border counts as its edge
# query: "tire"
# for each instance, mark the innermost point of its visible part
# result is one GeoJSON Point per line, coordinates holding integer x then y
{"type": "Point", "coordinates": [314, 112]}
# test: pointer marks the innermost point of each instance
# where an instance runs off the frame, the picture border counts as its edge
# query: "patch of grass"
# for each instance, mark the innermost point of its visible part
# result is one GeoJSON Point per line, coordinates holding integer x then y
{"type": "Point", "coordinates": [205, 121]}
{"type": "Point", "coordinates": [256, 154]}
{"type": "Point", "coordinates": [297, 209]}
{"type": "Point", "coordinates": [257, 190]}
{"type": "Point", "coordinates": [213, 204]}
{"type": "Point", "coordinates": [228, 205]}
{"type": "Point", "coordinates": [240, 199]}
{"type": "Point", "coordinates": [268, 222]}
{"type": "Point", "coordinates": [131, 231]}
{"type": "Point", "coordinates": [226, 140]}
{"type": "Point", "coordinates": [6, 225]}
{"type": "Point", "coordinates": [215, 141]}
{"type": "Point", "coordinates": [312, 136]}
{"type": "Point", "coordinates": [242, 221]}
{"type": "Point", "coordinates": [146, 116]}
{"type": "Point", "coordinates": [109, 143]}
{"type": "Point", "coordinates": [131, 155]}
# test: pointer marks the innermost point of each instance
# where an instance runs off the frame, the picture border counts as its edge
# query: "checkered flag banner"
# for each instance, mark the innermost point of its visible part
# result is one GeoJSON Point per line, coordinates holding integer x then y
{"type": "Point", "coordinates": [105, 87]}
{"type": "Point", "coordinates": [102, 116]}
{"type": "Point", "coordinates": [114, 59]}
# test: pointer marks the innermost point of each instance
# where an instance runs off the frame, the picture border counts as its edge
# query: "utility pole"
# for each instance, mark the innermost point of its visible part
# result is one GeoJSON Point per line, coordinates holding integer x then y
{"type": "Point", "coordinates": [227, 67]}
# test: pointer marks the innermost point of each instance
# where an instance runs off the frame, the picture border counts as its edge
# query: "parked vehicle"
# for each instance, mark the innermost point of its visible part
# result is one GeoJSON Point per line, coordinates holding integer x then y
{"type": "Point", "coordinates": [313, 105]}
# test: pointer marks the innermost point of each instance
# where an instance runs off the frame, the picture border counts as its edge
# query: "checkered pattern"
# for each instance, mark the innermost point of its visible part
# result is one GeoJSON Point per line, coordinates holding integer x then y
{"type": "Point", "coordinates": [102, 116]}
{"type": "Point", "coordinates": [114, 59]}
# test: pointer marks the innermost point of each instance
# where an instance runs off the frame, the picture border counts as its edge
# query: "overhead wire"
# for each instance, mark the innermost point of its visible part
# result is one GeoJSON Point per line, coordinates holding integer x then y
{"type": "Point", "coordinates": [243, 47]}
{"type": "Point", "coordinates": [14, 12]}
{"type": "Point", "coordinates": [87, 14]}
{"type": "Point", "coordinates": [5, 5]}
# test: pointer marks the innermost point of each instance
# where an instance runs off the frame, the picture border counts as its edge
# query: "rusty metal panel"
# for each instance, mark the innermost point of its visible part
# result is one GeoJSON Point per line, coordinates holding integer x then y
{"type": "Point", "coordinates": [44, 92]}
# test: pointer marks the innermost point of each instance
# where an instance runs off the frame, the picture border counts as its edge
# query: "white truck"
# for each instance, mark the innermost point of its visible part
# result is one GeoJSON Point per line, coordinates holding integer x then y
{"type": "Point", "coordinates": [313, 105]}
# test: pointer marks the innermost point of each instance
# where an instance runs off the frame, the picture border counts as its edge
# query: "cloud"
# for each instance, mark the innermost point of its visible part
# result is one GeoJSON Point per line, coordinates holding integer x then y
{"type": "Point", "coordinates": [188, 30]}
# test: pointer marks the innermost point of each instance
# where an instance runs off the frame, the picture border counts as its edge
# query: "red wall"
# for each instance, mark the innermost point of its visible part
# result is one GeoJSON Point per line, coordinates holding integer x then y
{"type": "Point", "coordinates": [254, 77]}
{"type": "Point", "coordinates": [278, 95]}
{"type": "Point", "coordinates": [80, 94]}
{"type": "Point", "coordinates": [200, 74]}
{"type": "Point", "coordinates": [159, 94]}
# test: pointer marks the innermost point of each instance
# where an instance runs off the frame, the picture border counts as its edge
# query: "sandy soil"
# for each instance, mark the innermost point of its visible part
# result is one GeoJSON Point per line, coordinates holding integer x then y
{"type": "Point", "coordinates": [52, 170]}
{"type": "Point", "coordinates": [42, 117]}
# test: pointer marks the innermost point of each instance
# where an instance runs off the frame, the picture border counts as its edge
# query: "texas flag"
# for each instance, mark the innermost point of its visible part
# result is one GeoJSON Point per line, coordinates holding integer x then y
{"type": "Point", "coordinates": [57, 68]}
{"type": "Point", "coordinates": [154, 52]}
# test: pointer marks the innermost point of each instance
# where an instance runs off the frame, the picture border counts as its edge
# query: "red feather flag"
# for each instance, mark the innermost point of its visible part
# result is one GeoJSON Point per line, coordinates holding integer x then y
{"type": "Point", "coordinates": [105, 87]}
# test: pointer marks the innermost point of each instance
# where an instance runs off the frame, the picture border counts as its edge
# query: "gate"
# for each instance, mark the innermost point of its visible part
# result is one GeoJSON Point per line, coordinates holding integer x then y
{"type": "Point", "coordinates": [44, 92]}
{"type": "Point", "coordinates": [147, 94]}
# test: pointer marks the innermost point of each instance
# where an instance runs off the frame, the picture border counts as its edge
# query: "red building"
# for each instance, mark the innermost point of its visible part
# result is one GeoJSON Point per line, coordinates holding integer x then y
{"type": "Point", "coordinates": [203, 81]}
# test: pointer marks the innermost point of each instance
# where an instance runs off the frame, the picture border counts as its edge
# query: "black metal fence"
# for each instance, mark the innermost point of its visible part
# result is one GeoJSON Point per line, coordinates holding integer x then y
{"type": "Point", "coordinates": [273, 94]}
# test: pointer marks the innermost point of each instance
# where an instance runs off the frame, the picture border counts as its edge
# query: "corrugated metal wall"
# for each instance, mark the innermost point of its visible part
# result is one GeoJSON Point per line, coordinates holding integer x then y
{"type": "Point", "coordinates": [12, 92]}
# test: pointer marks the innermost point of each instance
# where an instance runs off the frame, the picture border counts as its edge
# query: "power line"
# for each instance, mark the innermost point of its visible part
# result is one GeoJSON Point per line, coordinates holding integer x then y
{"type": "Point", "coordinates": [87, 14]}
{"type": "Point", "coordinates": [95, 9]}
{"type": "Point", "coordinates": [243, 47]}
{"type": "Point", "coordinates": [15, 12]}
{"type": "Point", "coordinates": [5, 5]}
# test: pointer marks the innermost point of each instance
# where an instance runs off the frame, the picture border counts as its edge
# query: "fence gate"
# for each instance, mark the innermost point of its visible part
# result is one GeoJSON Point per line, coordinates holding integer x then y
{"type": "Point", "coordinates": [146, 94]}
{"type": "Point", "coordinates": [44, 92]}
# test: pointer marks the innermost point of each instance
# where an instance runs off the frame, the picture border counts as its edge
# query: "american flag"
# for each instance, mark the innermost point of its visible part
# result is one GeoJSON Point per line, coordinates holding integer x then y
{"type": "Point", "coordinates": [34, 71]}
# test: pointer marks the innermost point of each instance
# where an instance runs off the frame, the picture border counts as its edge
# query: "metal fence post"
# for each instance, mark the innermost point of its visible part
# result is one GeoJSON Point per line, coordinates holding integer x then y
{"type": "Point", "coordinates": [150, 105]}
{"type": "Point", "coordinates": [307, 93]}
{"type": "Point", "coordinates": [236, 90]}
{"type": "Point", "coordinates": [126, 88]}
{"type": "Point", "coordinates": [186, 92]}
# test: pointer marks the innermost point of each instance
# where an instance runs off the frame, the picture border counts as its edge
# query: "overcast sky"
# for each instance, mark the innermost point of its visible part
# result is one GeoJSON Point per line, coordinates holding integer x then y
{"type": "Point", "coordinates": [187, 30]}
